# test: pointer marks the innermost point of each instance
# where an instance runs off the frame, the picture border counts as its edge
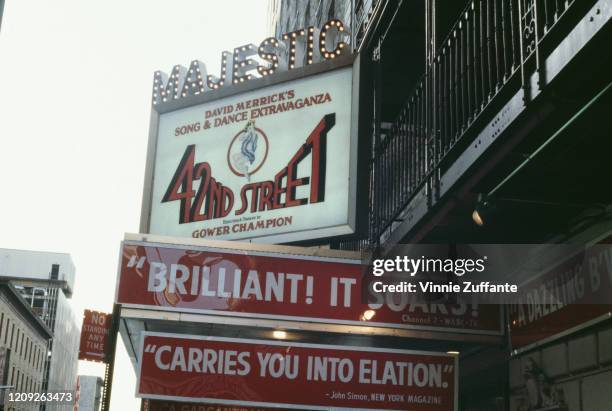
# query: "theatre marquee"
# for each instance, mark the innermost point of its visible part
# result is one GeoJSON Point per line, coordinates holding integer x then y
{"type": "Point", "coordinates": [273, 161]}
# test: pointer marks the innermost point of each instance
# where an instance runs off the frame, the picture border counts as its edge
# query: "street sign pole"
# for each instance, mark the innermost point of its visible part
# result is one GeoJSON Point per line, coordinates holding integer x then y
{"type": "Point", "coordinates": [110, 364]}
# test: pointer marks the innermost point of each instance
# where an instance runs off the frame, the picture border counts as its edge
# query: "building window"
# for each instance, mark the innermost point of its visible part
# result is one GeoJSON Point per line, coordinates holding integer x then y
{"type": "Point", "coordinates": [55, 271]}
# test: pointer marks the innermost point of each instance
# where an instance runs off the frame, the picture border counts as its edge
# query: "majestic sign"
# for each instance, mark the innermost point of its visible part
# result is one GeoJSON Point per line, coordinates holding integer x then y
{"type": "Point", "coordinates": [94, 336]}
{"type": "Point", "coordinates": [279, 285]}
{"type": "Point", "coordinates": [278, 162]}
{"type": "Point", "coordinates": [569, 294]}
{"type": "Point", "coordinates": [295, 49]}
{"type": "Point", "coordinates": [266, 373]}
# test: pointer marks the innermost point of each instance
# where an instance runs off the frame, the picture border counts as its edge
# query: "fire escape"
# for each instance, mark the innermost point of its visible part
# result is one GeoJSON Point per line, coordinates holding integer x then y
{"type": "Point", "coordinates": [477, 113]}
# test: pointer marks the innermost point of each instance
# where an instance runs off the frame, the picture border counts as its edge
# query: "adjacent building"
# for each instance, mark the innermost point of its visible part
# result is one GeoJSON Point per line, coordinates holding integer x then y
{"type": "Point", "coordinates": [46, 281]}
{"type": "Point", "coordinates": [23, 346]}
{"type": "Point", "coordinates": [90, 392]}
{"type": "Point", "coordinates": [286, 16]}
{"type": "Point", "coordinates": [1, 11]}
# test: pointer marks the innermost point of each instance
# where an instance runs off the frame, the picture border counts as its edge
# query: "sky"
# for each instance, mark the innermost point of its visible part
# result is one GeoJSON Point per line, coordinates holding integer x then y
{"type": "Point", "coordinates": [75, 103]}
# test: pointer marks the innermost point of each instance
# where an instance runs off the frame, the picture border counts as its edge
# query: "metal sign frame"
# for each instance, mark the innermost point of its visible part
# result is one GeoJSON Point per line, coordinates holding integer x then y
{"type": "Point", "coordinates": [266, 250]}
{"type": "Point", "coordinates": [237, 89]}
{"type": "Point", "coordinates": [287, 344]}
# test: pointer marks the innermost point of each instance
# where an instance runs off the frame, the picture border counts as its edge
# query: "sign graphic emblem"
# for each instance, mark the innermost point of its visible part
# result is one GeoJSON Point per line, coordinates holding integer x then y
{"type": "Point", "coordinates": [247, 151]}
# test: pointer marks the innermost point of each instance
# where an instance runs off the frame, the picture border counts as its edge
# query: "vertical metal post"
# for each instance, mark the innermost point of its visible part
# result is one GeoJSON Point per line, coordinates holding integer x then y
{"type": "Point", "coordinates": [539, 68]}
{"type": "Point", "coordinates": [353, 27]}
{"type": "Point", "coordinates": [376, 158]}
{"type": "Point", "coordinates": [529, 38]}
{"type": "Point", "coordinates": [524, 84]}
{"type": "Point", "coordinates": [428, 135]}
{"type": "Point", "coordinates": [110, 365]}
{"type": "Point", "coordinates": [429, 34]}
{"type": "Point", "coordinates": [508, 346]}
{"type": "Point", "coordinates": [433, 71]}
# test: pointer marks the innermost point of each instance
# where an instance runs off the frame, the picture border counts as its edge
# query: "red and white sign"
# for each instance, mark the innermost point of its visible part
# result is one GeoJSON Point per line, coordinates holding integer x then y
{"type": "Point", "coordinates": [573, 292]}
{"type": "Point", "coordinates": [94, 336]}
{"type": "Point", "coordinates": [279, 286]}
{"type": "Point", "coordinates": [277, 163]}
{"type": "Point", "coordinates": [293, 375]}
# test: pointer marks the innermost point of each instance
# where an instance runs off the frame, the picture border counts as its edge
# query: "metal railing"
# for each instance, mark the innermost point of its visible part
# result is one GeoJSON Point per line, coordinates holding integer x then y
{"type": "Point", "coordinates": [350, 245]}
{"type": "Point", "coordinates": [493, 48]}
{"type": "Point", "coordinates": [363, 12]}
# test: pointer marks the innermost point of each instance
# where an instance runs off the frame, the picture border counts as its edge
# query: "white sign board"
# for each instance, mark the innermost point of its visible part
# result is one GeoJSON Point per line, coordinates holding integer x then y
{"type": "Point", "coordinates": [277, 164]}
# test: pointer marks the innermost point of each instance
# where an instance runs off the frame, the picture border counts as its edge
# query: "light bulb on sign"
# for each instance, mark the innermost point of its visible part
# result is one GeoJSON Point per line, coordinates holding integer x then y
{"type": "Point", "coordinates": [267, 52]}
{"type": "Point", "coordinates": [213, 82]}
{"type": "Point", "coordinates": [279, 334]}
{"type": "Point", "coordinates": [368, 315]}
{"type": "Point", "coordinates": [330, 54]}
{"type": "Point", "coordinates": [238, 68]}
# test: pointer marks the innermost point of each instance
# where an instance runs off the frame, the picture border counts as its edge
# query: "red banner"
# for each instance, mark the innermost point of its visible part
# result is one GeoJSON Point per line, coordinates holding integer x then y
{"type": "Point", "coordinates": [272, 373]}
{"type": "Point", "coordinates": [278, 286]}
{"type": "Point", "coordinates": [573, 292]}
{"type": "Point", "coordinates": [94, 336]}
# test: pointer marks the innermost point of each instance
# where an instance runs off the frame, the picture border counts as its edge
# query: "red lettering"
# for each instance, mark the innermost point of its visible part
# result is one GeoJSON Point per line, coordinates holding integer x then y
{"type": "Point", "coordinates": [180, 187]}
{"type": "Point", "coordinates": [212, 197]}
{"type": "Point", "coordinates": [279, 190]}
{"type": "Point", "coordinates": [214, 200]}
{"type": "Point", "coordinates": [318, 144]}
{"type": "Point", "coordinates": [265, 199]}
{"type": "Point", "coordinates": [292, 181]}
